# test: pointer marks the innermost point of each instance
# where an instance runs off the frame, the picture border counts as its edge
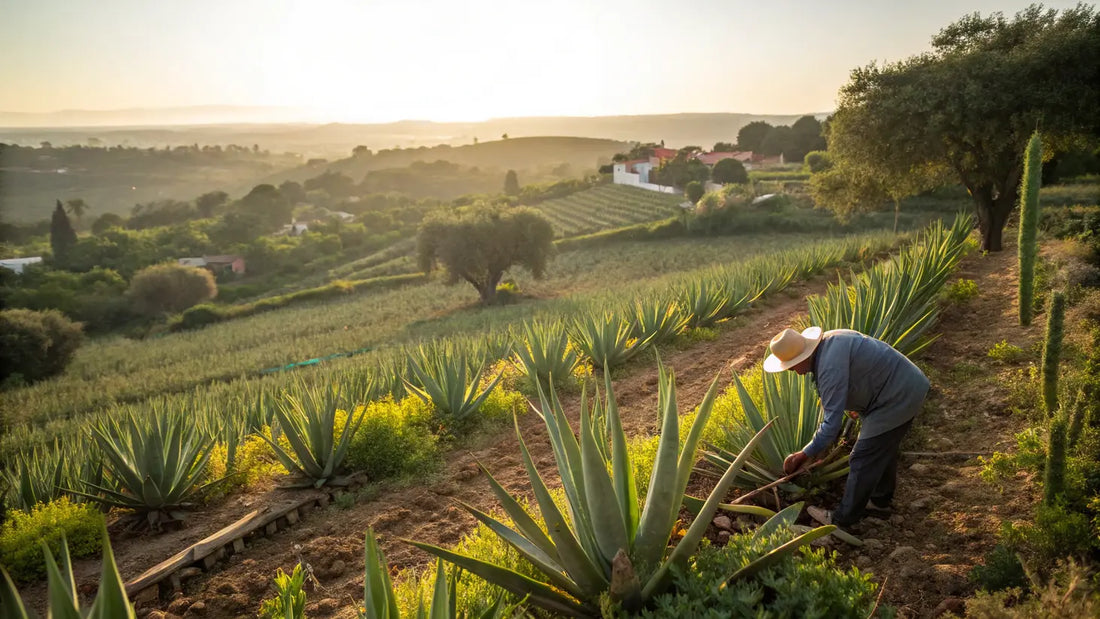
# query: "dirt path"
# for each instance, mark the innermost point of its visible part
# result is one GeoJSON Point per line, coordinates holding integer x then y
{"type": "Point", "coordinates": [946, 518]}
{"type": "Point", "coordinates": [333, 541]}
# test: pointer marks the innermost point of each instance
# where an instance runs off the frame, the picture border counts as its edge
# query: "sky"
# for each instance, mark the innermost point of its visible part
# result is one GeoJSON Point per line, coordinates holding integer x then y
{"type": "Point", "coordinates": [465, 60]}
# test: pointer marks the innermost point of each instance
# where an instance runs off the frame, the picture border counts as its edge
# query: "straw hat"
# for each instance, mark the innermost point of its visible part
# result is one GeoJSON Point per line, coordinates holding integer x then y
{"type": "Point", "coordinates": [790, 348]}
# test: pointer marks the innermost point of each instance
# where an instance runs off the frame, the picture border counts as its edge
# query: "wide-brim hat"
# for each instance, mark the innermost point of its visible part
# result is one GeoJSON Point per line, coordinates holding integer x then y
{"type": "Point", "coordinates": [790, 348]}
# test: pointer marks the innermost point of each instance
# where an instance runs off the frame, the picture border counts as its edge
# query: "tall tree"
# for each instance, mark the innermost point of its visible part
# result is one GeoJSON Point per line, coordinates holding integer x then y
{"type": "Point", "coordinates": [62, 236]}
{"type": "Point", "coordinates": [729, 171]}
{"type": "Point", "coordinates": [477, 244]}
{"type": "Point", "coordinates": [268, 205]}
{"type": "Point", "coordinates": [752, 135]}
{"type": "Point", "coordinates": [208, 203]}
{"type": "Point", "coordinates": [807, 137]}
{"type": "Point", "coordinates": [511, 183]}
{"type": "Point", "coordinates": [972, 102]}
{"type": "Point", "coordinates": [76, 207]}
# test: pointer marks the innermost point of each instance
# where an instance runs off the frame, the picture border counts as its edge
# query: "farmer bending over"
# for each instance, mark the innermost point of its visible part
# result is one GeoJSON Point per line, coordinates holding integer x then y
{"type": "Point", "coordinates": [856, 373]}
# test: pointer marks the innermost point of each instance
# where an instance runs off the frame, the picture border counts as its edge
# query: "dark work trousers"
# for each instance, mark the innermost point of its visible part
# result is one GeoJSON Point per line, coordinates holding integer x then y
{"type": "Point", "coordinates": [873, 474]}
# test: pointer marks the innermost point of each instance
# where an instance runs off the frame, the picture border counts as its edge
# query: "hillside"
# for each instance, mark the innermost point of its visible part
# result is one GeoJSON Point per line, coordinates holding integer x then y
{"type": "Point", "coordinates": [520, 154]}
{"type": "Point", "coordinates": [337, 139]}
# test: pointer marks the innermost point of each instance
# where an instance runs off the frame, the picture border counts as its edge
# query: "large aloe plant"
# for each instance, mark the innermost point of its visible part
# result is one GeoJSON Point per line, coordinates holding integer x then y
{"type": "Point", "coordinates": [602, 543]}
{"type": "Point", "coordinates": [43, 475]}
{"type": "Point", "coordinates": [62, 599]}
{"type": "Point", "coordinates": [154, 464]}
{"type": "Point", "coordinates": [443, 379]}
{"type": "Point", "coordinates": [789, 402]}
{"type": "Point", "coordinates": [318, 447]}
{"type": "Point", "coordinates": [544, 352]}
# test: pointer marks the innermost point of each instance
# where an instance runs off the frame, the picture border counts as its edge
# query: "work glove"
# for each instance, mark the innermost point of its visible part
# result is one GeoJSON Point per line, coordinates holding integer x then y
{"type": "Point", "coordinates": [795, 462]}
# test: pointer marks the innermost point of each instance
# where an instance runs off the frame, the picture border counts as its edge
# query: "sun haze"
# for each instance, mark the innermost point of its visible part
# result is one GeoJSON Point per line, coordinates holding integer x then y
{"type": "Point", "coordinates": [384, 60]}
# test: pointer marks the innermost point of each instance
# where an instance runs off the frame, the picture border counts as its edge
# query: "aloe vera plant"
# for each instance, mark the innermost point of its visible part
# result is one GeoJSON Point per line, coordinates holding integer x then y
{"type": "Point", "coordinates": [790, 402]}
{"type": "Point", "coordinates": [896, 302]}
{"type": "Point", "coordinates": [657, 320]}
{"type": "Point", "coordinates": [153, 464]}
{"type": "Point", "coordinates": [544, 352]}
{"type": "Point", "coordinates": [317, 446]}
{"type": "Point", "coordinates": [380, 601]}
{"type": "Point", "coordinates": [62, 599]}
{"type": "Point", "coordinates": [42, 476]}
{"type": "Point", "coordinates": [443, 380]}
{"type": "Point", "coordinates": [606, 339]}
{"type": "Point", "coordinates": [704, 301]}
{"type": "Point", "coordinates": [603, 543]}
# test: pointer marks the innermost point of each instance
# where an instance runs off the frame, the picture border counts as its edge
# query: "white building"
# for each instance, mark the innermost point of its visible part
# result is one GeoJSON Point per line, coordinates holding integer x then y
{"type": "Point", "coordinates": [636, 174]}
{"type": "Point", "coordinates": [17, 264]}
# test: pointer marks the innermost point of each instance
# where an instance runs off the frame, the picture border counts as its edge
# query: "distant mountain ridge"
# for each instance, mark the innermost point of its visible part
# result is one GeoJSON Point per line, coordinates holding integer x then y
{"type": "Point", "coordinates": [337, 139]}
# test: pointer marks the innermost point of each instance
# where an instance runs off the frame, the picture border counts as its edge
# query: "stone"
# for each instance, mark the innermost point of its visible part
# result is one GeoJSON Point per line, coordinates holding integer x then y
{"type": "Point", "coordinates": [155, 614]}
{"type": "Point", "coordinates": [148, 595]}
{"type": "Point", "coordinates": [198, 608]}
{"type": "Point", "coordinates": [873, 544]}
{"type": "Point", "coordinates": [179, 606]}
{"type": "Point", "coordinates": [226, 588]}
{"type": "Point", "coordinates": [338, 567]}
{"type": "Point", "coordinates": [953, 605]}
{"type": "Point", "coordinates": [904, 553]}
{"type": "Point", "coordinates": [723, 538]}
{"type": "Point", "coordinates": [723, 522]}
{"type": "Point", "coordinates": [326, 606]}
{"type": "Point", "coordinates": [919, 469]}
{"type": "Point", "coordinates": [897, 520]}
{"type": "Point", "coordinates": [919, 505]}
{"type": "Point", "coordinates": [863, 561]}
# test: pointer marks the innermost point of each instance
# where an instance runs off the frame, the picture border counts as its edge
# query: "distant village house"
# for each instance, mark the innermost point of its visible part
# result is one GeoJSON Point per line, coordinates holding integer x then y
{"type": "Point", "coordinates": [18, 264]}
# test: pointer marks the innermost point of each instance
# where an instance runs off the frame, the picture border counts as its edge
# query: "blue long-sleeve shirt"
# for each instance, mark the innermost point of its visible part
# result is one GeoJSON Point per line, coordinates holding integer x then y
{"type": "Point", "coordinates": [854, 372]}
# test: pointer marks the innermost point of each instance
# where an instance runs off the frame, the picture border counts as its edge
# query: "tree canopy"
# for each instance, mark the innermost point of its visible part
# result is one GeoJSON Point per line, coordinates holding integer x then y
{"type": "Point", "coordinates": [970, 105]}
{"type": "Point", "coordinates": [478, 243]}
{"type": "Point", "coordinates": [511, 183]}
{"type": "Point", "coordinates": [752, 135]}
{"type": "Point", "coordinates": [729, 171]}
{"type": "Point", "coordinates": [62, 235]}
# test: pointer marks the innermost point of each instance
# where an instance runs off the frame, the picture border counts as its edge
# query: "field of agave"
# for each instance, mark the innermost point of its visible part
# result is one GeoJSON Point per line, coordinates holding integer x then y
{"type": "Point", "coordinates": [598, 539]}
{"type": "Point", "coordinates": [608, 206]}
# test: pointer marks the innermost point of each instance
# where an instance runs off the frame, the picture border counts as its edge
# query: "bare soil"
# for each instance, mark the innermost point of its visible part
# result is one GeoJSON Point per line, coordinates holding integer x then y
{"type": "Point", "coordinates": [945, 518]}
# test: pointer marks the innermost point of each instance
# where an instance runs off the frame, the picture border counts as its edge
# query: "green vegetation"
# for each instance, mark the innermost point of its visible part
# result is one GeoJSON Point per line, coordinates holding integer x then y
{"type": "Point", "coordinates": [394, 440]}
{"type": "Point", "coordinates": [318, 432]}
{"type": "Point", "coordinates": [171, 288]}
{"type": "Point", "coordinates": [961, 291]}
{"type": "Point", "coordinates": [290, 600]}
{"type": "Point", "coordinates": [1003, 352]}
{"type": "Point", "coordinates": [110, 600]}
{"type": "Point", "coordinates": [479, 244]}
{"type": "Point", "coordinates": [26, 535]}
{"type": "Point", "coordinates": [1028, 246]}
{"type": "Point", "coordinates": [35, 345]}
{"type": "Point", "coordinates": [1054, 480]}
{"type": "Point", "coordinates": [605, 207]}
{"type": "Point", "coordinates": [441, 377]}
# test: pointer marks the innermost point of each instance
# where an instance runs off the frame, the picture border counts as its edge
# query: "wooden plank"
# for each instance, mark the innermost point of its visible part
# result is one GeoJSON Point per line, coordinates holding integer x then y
{"type": "Point", "coordinates": [238, 544]}
{"type": "Point", "coordinates": [256, 519]}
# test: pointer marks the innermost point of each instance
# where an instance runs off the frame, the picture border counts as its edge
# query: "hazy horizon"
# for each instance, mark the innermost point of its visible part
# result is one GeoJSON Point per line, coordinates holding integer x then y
{"type": "Point", "coordinates": [388, 61]}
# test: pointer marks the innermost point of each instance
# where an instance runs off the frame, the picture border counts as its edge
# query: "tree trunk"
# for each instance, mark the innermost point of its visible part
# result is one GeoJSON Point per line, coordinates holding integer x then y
{"type": "Point", "coordinates": [897, 211]}
{"type": "Point", "coordinates": [992, 215]}
{"type": "Point", "coordinates": [488, 290]}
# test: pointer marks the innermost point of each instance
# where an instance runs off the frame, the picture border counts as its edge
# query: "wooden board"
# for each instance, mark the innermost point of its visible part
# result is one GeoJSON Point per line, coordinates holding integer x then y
{"type": "Point", "coordinates": [214, 544]}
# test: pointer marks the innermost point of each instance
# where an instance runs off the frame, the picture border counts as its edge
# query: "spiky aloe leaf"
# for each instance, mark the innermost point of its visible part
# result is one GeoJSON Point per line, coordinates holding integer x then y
{"type": "Point", "coordinates": [318, 446]}
{"type": "Point", "coordinates": [110, 600]}
{"type": "Point", "coordinates": [544, 353]}
{"type": "Point", "coordinates": [378, 595]}
{"type": "Point", "coordinates": [537, 593]}
{"type": "Point", "coordinates": [442, 379]}
{"type": "Point", "coordinates": [11, 604]}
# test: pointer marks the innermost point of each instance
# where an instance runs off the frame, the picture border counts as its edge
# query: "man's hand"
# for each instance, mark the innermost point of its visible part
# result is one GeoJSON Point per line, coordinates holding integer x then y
{"type": "Point", "coordinates": [794, 462]}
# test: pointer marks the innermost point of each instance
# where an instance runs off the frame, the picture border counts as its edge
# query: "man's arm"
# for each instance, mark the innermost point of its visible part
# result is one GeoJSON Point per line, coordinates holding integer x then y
{"type": "Point", "coordinates": [832, 386]}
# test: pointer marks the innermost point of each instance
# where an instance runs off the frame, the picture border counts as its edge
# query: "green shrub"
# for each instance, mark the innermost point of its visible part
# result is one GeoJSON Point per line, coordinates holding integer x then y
{"type": "Point", "coordinates": [1066, 594]}
{"type": "Point", "coordinates": [1056, 533]}
{"type": "Point", "coordinates": [171, 288]}
{"type": "Point", "coordinates": [36, 345]}
{"type": "Point", "coordinates": [290, 600]}
{"type": "Point", "coordinates": [1001, 570]}
{"type": "Point", "coordinates": [253, 461]}
{"type": "Point", "coordinates": [20, 536]}
{"type": "Point", "coordinates": [394, 440]}
{"type": "Point", "coordinates": [1003, 352]}
{"type": "Point", "coordinates": [960, 291]}
{"type": "Point", "coordinates": [1030, 456]}
{"type": "Point", "coordinates": [198, 316]}
{"type": "Point", "coordinates": [807, 585]}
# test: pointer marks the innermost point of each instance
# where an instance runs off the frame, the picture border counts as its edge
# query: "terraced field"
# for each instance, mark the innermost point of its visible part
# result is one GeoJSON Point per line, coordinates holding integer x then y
{"type": "Point", "coordinates": [609, 206]}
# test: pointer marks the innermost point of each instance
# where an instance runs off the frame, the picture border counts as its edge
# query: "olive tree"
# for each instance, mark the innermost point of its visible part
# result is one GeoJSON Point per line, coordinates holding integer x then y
{"type": "Point", "coordinates": [478, 243]}
{"type": "Point", "coordinates": [970, 104]}
{"type": "Point", "coordinates": [170, 288]}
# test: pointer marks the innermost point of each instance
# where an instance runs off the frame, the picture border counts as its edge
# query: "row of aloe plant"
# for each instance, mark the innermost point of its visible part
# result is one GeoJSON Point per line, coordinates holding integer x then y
{"type": "Point", "coordinates": [896, 302]}
{"type": "Point", "coordinates": [448, 374]}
